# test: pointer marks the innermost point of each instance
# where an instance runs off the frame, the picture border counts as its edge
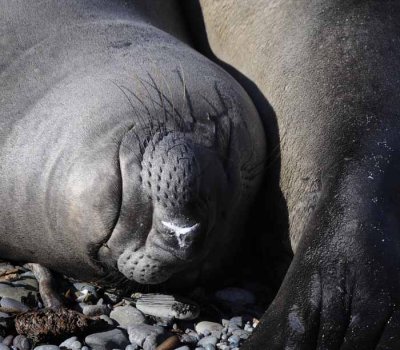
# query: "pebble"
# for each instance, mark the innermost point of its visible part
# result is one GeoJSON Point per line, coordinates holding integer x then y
{"type": "Point", "coordinates": [16, 293]}
{"type": "Point", "coordinates": [167, 306]}
{"type": "Point", "coordinates": [127, 316]}
{"type": "Point", "coordinates": [108, 320]}
{"type": "Point", "coordinates": [8, 340]}
{"type": "Point", "coordinates": [14, 305]}
{"type": "Point", "coordinates": [4, 315]}
{"type": "Point", "coordinates": [206, 326]}
{"type": "Point", "coordinates": [185, 347]}
{"type": "Point", "coordinates": [4, 347]}
{"type": "Point", "coordinates": [132, 347]}
{"type": "Point", "coordinates": [68, 342]}
{"type": "Point", "coordinates": [47, 347]}
{"type": "Point", "coordinates": [95, 310]}
{"type": "Point", "coordinates": [140, 333]}
{"type": "Point", "coordinates": [208, 340]}
{"type": "Point", "coordinates": [109, 340]}
{"type": "Point", "coordinates": [21, 342]}
{"type": "Point", "coordinates": [85, 348]}
{"type": "Point", "coordinates": [237, 296]}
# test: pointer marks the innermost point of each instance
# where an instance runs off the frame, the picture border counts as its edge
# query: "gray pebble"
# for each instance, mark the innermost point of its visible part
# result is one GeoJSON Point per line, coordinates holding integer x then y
{"type": "Point", "coordinates": [204, 326]}
{"type": "Point", "coordinates": [13, 304]}
{"type": "Point", "coordinates": [8, 340]}
{"type": "Point", "coordinates": [21, 342]}
{"type": "Point", "coordinates": [47, 347]}
{"type": "Point", "coordinates": [16, 293]}
{"type": "Point", "coordinates": [189, 339]}
{"type": "Point", "coordinates": [143, 333]}
{"type": "Point", "coordinates": [76, 345]}
{"type": "Point", "coordinates": [68, 342]}
{"type": "Point", "coordinates": [107, 319]}
{"type": "Point", "coordinates": [234, 340]}
{"type": "Point", "coordinates": [242, 334]}
{"type": "Point", "coordinates": [85, 348]}
{"type": "Point", "coordinates": [96, 310]}
{"type": "Point", "coordinates": [209, 347]}
{"type": "Point", "coordinates": [167, 306]}
{"type": "Point", "coordinates": [4, 347]}
{"type": "Point", "coordinates": [238, 321]}
{"type": "Point", "coordinates": [208, 340]}
{"type": "Point", "coordinates": [127, 316]}
{"type": "Point", "coordinates": [109, 340]}
{"type": "Point", "coordinates": [4, 315]}
{"type": "Point", "coordinates": [185, 347]}
{"type": "Point", "coordinates": [132, 347]}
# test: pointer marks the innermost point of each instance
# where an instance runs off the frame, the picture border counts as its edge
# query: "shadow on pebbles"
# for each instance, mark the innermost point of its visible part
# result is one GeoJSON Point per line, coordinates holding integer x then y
{"type": "Point", "coordinates": [98, 318]}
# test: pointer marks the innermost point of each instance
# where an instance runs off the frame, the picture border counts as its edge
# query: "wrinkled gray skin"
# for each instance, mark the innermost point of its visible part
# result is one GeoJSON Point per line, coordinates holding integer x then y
{"type": "Point", "coordinates": [330, 72]}
{"type": "Point", "coordinates": [123, 151]}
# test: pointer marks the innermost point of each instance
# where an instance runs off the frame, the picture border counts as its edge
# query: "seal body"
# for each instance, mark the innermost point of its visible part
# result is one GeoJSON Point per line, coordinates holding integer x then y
{"type": "Point", "coordinates": [329, 70]}
{"type": "Point", "coordinates": [123, 151]}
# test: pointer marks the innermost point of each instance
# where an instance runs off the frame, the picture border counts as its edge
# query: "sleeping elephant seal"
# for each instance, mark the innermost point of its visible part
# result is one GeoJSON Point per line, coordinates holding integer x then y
{"type": "Point", "coordinates": [123, 151]}
{"type": "Point", "coordinates": [330, 71]}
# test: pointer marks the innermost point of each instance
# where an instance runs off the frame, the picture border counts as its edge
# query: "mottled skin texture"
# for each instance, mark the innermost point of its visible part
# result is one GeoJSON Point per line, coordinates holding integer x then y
{"type": "Point", "coordinates": [330, 72]}
{"type": "Point", "coordinates": [112, 132]}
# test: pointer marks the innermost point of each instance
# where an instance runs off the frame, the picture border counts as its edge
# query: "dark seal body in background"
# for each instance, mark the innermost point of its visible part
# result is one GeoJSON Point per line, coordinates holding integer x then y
{"type": "Point", "coordinates": [122, 150]}
{"type": "Point", "coordinates": [330, 72]}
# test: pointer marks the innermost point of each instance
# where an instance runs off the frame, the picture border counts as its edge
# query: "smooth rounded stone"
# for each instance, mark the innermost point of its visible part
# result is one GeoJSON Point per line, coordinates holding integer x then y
{"type": "Point", "coordinates": [209, 347]}
{"type": "Point", "coordinates": [167, 306]}
{"type": "Point", "coordinates": [4, 315]}
{"type": "Point", "coordinates": [236, 296]}
{"type": "Point", "coordinates": [132, 347]}
{"type": "Point", "coordinates": [47, 347]}
{"type": "Point", "coordinates": [242, 334]}
{"type": "Point", "coordinates": [185, 347]}
{"type": "Point", "coordinates": [127, 316]}
{"type": "Point", "coordinates": [96, 310]}
{"type": "Point", "coordinates": [85, 348]}
{"type": "Point", "coordinates": [208, 340]}
{"type": "Point", "coordinates": [108, 320]}
{"type": "Point", "coordinates": [8, 340]}
{"type": "Point", "coordinates": [68, 342]}
{"type": "Point", "coordinates": [4, 347]}
{"type": "Point", "coordinates": [21, 342]}
{"type": "Point", "coordinates": [29, 282]}
{"type": "Point", "coordinates": [238, 321]}
{"type": "Point", "coordinates": [12, 304]}
{"type": "Point", "coordinates": [234, 340]}
{"type": "Point", "coordinates": [189, 339]}
{"type": "Point", "coordinates": [206, 326]}
{"type": "Point", "coordinates": [109, 340]}
{"type": "Point", "coordinates": [76, 345]}
{"type": "Point", "coordinates": [138, 334]}
{"type": "Point", "coordinates": [224, 347]}
{"type": "Point", "coordinates": [5, 266]}
{"type": "Point", "coordinates": [16, 293]}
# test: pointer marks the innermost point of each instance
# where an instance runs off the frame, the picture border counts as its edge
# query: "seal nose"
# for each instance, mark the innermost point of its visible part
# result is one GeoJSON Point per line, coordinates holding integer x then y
{"type": "Point", "coordinates": [186, 236]}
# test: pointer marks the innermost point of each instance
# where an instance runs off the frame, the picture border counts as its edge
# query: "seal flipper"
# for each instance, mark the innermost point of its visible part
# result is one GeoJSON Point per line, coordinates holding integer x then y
{"type": "Point", "coordinates": [45, 279]}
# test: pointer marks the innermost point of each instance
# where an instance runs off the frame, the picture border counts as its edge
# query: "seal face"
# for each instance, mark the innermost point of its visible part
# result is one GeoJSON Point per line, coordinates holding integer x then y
{"type": "Point", "coordinates": [123, 150]}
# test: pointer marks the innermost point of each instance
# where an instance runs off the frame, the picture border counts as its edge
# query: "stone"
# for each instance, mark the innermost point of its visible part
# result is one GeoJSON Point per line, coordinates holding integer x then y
{"type": "Point", "coordinates": [185, 347]}
{"type": "Point", "coordinates": [167, 306]}
{"type": "Point", "coordinates": [21, 342]}
{"type": "Point", "coordinates": [13, 305]}
{"type": "Point", "coordinates": [95, 310]}
{"type": "Point", "coordinates": [206, 326]}
{"type": "Point", "coordinates": [127, 316]}
{"type": "Point", "coordinates": [132, 347]}
{"type": "Point", "coordinates": [28, 282]}
{"type": "Point", "coordinates": [8, 340]}
{"type": "Point", "coordinates": [68, 342]}
{"type": "Point", "coordinates": [143, 333]}
{"type": "Point", "coordinates": [4, 347]}
{"type": "Point", "coordinates": [236, 296]}
{"type": "Point", "coordinates": [16, 293]}
{"type": "Point", "coordinates": [47, 347]}
{"type": "Point", "coordinates": [108, 340]}
{"type": "Point", "coordinates": [208, 340]}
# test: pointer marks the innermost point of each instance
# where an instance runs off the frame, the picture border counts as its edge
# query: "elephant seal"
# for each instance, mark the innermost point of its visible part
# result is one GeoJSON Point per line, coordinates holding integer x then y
{"type": "Point", "coordinates": [330, 73]}
{"type": "Point", "coordinates": [123, 151]}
